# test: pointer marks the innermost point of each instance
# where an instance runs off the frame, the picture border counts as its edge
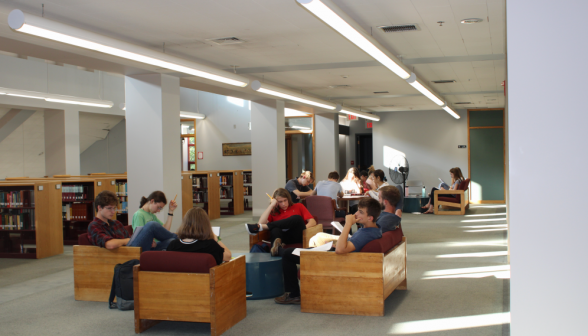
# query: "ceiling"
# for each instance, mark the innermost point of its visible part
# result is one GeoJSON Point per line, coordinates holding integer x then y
{"type": "Point", "coordinates": [286, 45]}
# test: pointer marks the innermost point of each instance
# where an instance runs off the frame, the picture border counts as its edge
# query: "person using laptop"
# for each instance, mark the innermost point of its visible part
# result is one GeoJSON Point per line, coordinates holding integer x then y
{"type": "Point", "coordinates": [456, 179]}
{"type": "Point", "coordinates": [368, 211]}
{"type": "Point", "coordinates": [105, 232]}
{"type": "Point", "coordinates": [299, 188]}
{"type": "Point", "coordinates": [196, 235]}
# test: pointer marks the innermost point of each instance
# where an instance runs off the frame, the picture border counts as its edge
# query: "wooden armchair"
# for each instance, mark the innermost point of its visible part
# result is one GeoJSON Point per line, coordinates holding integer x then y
{"type": "Point", "coordinates": [323, 208]}
{"type": "Point", "coordinates": [189, 287]}
{"type": "Point", "coordinates": [306, 235]}
{"type": "Point", "coordinates": [460, 200]}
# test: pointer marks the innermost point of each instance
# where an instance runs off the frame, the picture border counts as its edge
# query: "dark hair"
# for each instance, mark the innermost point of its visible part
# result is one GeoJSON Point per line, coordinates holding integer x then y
{"type": "Point", "coordinates": [282, 193]}
{"type": "Point", "coordinates": [105, 198]}
{"type": "Point", "coordinates": [390, 194]}
{"type": "Point", "coordinates": [157, 196]}
{"type": "Point", "coordinates": [372, 207]}
{"type": "Point", "coordinates": [333, 175]}
{"type": "Point", "coordinates": [196, 225]}
{"type": "Point", "coordinates": [364, 173]}
{"type": "Point", "coordinates": [380, 173]}
{"type": "Point", "coordinates": [456, 173]}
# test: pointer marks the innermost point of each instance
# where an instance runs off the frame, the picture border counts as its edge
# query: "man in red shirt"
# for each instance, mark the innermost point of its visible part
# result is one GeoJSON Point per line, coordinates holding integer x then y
{"type": "Point", "coordinates": [284, 219]}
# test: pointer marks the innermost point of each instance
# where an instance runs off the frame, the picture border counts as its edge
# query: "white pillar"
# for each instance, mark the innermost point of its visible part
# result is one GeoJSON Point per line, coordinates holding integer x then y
{"type": "Point", "coordinates": [62, 142]}
{"type": "Point", "coordinates": [153, 140]}
{"type": "Point", "coordinates": [327, 145]}
{"type": "Point", "coordinates": [268, 157]}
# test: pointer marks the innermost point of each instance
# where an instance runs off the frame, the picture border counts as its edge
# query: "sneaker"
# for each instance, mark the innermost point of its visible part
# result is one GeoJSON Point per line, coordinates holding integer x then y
{"type": "Point", "coordinates": [277, 244]}
{"type": "Point", "coordinates": [253, 229]}
{"type": "Point", "coordinates": [286, 299]}
{"type": "Point", "coordinates": [248, 294]}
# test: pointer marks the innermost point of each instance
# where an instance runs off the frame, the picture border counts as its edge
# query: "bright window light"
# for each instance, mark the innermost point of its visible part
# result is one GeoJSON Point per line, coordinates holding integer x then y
{"type": "Point", "coordinates": [476, 191]}
{"type": "Point", "coordinates": [452, 112]}
{"type": "Point", "coordinates": [288, 112]}
{"type": "Point", "coordinates": [499, 272]}
{"type": "Point", "coordinates": [450, 323]}
{"type": "Point", "coordinates": [294, 98]}
{"type": "Point", "coordinates": [483, 220]}
{"type": "Point", "coordinates": [420, 88]}
{"type": "Point", "coordinates": [336, 22]}
{"type": "Point", "coordinates": [490, 206]}
{"type": "Point", "coordinates": [76, 102]}
{"type": "Point", "coordinates": [300, 127]}
{"type": "Point", "coordinates": [485, 226]}
{"type": "Point", "coordinates": [473, 255]}
{"type": "Point", "coordinates": [484, 215]}
{"type": "Point", "coordinates": [479, 243]}
{"type": "Point", "coordinates": [391, 153]}
{"type": "Point", "coordinates": [236, 101]}
{"type": "Point", "coordinates": [486, 230]}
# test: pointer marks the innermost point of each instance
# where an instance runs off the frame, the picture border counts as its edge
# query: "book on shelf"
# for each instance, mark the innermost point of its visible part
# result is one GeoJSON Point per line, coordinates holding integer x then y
{"type": "Point", "coordinates": [17, 199]}
{"type": "Point", "coordinates": [73, 211]}
{"type": "Point", "coordinates": [201, 197]}
{"type": "Point", "coordinates": [200, 182]}
{"type": "Point", "coordinates": [121, 188]}
{"type": "Point", "coordinates": [226, 180]}
{"type": "Point", "coordinates": [74, 192]}
{"type": "Point", "coordinates": [17, 219]}
{"type": "Point", "coordinates": [226, 192]}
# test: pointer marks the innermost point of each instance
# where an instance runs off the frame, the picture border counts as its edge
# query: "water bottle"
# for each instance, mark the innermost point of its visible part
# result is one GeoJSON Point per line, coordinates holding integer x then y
{"type": "Point", "coordinates": [424, 191]}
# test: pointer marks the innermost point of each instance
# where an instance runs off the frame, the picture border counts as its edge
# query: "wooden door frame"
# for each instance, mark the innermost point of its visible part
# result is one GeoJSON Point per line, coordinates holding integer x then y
{"type": "Point", "coordinates": [312, 138]}
{"type": "Point", "coordinates": [182, 136]}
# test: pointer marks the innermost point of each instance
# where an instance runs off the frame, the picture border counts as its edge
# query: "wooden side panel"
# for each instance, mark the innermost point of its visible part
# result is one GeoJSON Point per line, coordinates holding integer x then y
{"type": "Point", "coordinates": [463, 205]}
{"type": "Point", "coordinates": [238, 198]}
{"type": "Point", "coordinates": [102, 184]}
{"type": "Point", "coordinates": [140, 325]}
{"type": "Point", "coordinates": [328, 283]}
{"type": "Point", "coordinates": [213, 195]}
{"type": "Point", "coordinates": [174, 296]}
{"type": "Point", "coordinates": [187, 195]}
{"type": "Point", "coordinates": [263, 235]}
{"type": "Point", "coordinates": [309, 233]}
{"type": "Point", "coordinates": [394, 268]}
{"type": "Point", "coordinates": [94, 268]}
{"type": "Point", "coordinates": [228, 301]}
{"type": "Point", "coordinates": [48, 219]}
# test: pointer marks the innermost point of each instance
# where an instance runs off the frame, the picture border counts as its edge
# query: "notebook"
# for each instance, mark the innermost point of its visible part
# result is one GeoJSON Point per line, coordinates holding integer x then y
{"type": "Point", "coordinates": [338, 226]}
{"type": "Point", "coordinates": [323, 248]}
{"type": "Point", "coordinates": [216, 230]}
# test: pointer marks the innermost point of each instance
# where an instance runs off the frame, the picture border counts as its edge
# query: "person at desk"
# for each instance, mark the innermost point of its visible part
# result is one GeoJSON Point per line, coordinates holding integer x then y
{"type": "Point", "coordinates": [196, 235]}
{"type": "Point", "coordinates": [149, 206]}
{"type": "Point", "coordinates": [456, 179]}
{"type": "Point", "coordinates": [352, 185]}
{"type": "Point", "coordinates": [285, 220]}
{"type": "Point", "coordinates": [299, 188]}
{"type": "Point", "coordinates": [330, 188]}
{"type": "Point", "coordinates": [363, 176]}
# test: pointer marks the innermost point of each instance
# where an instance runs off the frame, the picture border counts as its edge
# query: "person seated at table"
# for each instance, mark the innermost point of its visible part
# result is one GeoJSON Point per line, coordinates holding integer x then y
{"type": "Point", "coordinates": [368, 211]}
{"type": "Point", "coordinates": [299, 188]}
{"type": "Point", "coordinates": [456, 179]}
{"type": "Point", "coordinates": [363, 176]}
{"type": "Point", "coordinates": [196, 235]}
{"type": "Point", "coordinates": [330, 188]}
{"type": "Point", "coordinates": [151, 205]}
{"type": "Point", "coordinates": [370, 180]}
{"type": "Point", "coordinates": [285, 220]}
{"type": "Point", "coordinates": [105, 232]}
{"type": "Point", "coordinates": [352, 185]}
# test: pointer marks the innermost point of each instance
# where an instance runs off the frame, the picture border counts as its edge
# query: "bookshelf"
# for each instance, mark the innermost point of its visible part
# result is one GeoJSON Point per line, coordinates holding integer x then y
{"type": "Point", "coordinates": [231, 198]}
{"type": "Point", "coordinates": [199, 189]}
{"type": "Point", "coordinates": [247, 191]}
{"type": "Point", "coordinates": [30, 219]}
{"type": "Point", "coordinates": [120, 189]}
{"type": "Point", "coordinates": [77, 207]}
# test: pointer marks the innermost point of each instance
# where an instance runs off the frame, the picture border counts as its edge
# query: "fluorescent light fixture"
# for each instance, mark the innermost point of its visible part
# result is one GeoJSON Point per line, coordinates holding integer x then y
{"type": "Point", "coordinates": [41, 27]}
{"type": "Point", "coordinates": [450, 111]}
{"type": "Point", "coordinates": [24, 96]}
{"type": "Point", "coordinates": [359, 114]}
{"type": "Point", "coordinates": [63, 101]}
{"type": "Point", "coordinates": [361, 39]}
{"type": "Point", "coordinates": [192, 115]}
{"type": "Point", "coordinates": [300, 127]}
{"type": "Point", "coordinates": [413, 81]}
{"type": "Point", "coordinates": [56, 98]}
{"type": "Point", "coordinates": [288, 112]}
{"type": "Point", "coordinates": [290, 95]}
{"type": "Point", "coordinates": [2, 93]}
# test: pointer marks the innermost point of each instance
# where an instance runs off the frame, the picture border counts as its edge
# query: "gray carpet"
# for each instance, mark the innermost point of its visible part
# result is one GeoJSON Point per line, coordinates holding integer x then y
{"type": "Point", "coordinates": [458, 284]}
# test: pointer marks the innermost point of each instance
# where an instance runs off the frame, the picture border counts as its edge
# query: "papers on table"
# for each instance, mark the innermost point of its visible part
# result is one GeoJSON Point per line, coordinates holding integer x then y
{"type": "Point", "coordinates": [323, 248]}
{"type": "Point", "coordinates": [216, 230]}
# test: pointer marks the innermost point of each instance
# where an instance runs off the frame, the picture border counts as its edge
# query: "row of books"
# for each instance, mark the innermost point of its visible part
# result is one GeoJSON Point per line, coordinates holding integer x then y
{"type": "Point", "coordinates": [200, 182]}
{"type": "Point", "coordinates": [121, 189]}
{"type": "Point", "coordinates": [123, 205]}
{"type": "Point", "coordinates": [247, 178]}
{"type": "Point", "coordinates": [74, 193]}
{"type": "Point", "coordinates": [248, 203]}
{"type": "Point", "coordinates": [226, 192]}
{"type": "Point", "coordinates": [247, 191]}
{"type": "Point", "coordinates": [18, 220]}
{"type": "Point", "coordinates": [226, 180]}
{"type": "Point", "coordinates": [16, 199]}
{"type": "Point", "coordinates": [76, 212]}
{"type": "Point", "coordinates": [201, 197]}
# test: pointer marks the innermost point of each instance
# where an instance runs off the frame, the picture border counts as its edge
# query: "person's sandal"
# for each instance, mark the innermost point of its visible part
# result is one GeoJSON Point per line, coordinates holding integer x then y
{"type": "Point", "coordinates": [286, 299]}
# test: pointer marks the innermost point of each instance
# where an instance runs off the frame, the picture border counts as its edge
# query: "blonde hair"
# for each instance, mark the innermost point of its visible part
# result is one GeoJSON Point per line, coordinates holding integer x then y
{"type": "Point", "coordinates": [196, 225]}
{"type": "Point", "coordinates": [307, 175]}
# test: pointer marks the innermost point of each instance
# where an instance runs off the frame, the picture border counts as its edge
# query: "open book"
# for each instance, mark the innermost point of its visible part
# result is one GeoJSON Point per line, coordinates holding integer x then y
{"type": "Point", "coordinates": [323, 248]}
{"type": "Point", "coordinates": [216, 230]}
{"type": "Point", "coordinates": [338, 226]}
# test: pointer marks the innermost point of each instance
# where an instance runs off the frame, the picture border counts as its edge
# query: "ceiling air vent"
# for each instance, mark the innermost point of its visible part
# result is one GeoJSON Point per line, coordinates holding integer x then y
{"type": "Point", "coordinates": [400, 28]}
{"type": "Point", "coordinates": [226, 40]}
{"type": "Point", "coordinates": [444, 81]}
{"type": "Point", "coordinates": [339, 86]}
{"type": "Point", "coordinates": [462, 103]}
{"type": "Point", "coordinates": [380, 92]}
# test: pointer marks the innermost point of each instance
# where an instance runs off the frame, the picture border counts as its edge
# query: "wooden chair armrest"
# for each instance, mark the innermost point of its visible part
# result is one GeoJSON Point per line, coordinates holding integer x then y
{"type": "Point", "coordinates": [449, 192]}
{"type": "Point", "coordinates": [331, 264]}
{"type": "Point", "coordinates": [262, 235]}
{"type": "Point", "coordinates": [309, 233]}
{"type": "Point", "coordinates": [228, 303]}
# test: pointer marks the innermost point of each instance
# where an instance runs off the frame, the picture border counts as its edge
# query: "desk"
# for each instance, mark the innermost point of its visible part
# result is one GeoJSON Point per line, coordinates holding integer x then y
{"type": "Point", "coordinates": [347, 198]}
{"type": "Point", "coordinates": [264, 275]}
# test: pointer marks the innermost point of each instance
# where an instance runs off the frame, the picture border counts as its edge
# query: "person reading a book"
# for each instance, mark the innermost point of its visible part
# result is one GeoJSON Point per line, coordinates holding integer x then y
{"type": "Point", "coordinates": [351, 184]}
{"type": "Point", "coordinates": [285, 220]}
{"type": "Point", "coordinates": [151, 205]}
{"type": "Point", "coordinates": [456, 179]}
{"type": "Point", "coordinates": [299, 188]}
{"type": "Point", "coordinates": [368, 211]}
{"type": "Point", "coordinates": [105, 232]}
{"type": "Point", "coordinates": [196, 235]}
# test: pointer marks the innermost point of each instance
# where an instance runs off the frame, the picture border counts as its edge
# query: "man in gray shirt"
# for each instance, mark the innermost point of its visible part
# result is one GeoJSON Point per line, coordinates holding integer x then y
{"type": "Point", "coordinates": [330, 188]}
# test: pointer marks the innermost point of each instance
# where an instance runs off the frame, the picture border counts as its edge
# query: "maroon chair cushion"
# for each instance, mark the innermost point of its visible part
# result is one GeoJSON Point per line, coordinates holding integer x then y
{"type": "Point", "coordinates": [386, 243]}
{"type": "Point", "coordinates": [297, 245]}
{"type": "Point", "coordinates": [83, 239]}
{"type": "Point", "coordinates": [321, 208]}
{"type": "Point", "coordinates": [177, 262]}
{"type": "Point", "coordinates": [455, 199]}
{"type": "Point", "coordinates": [129, 229]}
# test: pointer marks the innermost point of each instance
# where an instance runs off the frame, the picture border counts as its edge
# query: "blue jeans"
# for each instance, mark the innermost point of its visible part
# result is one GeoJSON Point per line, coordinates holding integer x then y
{"type": "Point", "coordinates": [150, 231]}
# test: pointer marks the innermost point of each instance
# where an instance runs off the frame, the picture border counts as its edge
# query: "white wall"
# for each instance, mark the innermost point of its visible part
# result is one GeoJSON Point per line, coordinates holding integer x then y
{"type": "Point", "coordinates": [547, 137]}
{"type": "Point", "coordinates": [108, 155]}
{"type": "Point", "coordinates": [429, 139]}
{"type": "Point", "coordinates": [327, 145]}
{"type": "Point", "coordinates": [22, 153]}
{"type": "Point", "coordinates": [227, 121]}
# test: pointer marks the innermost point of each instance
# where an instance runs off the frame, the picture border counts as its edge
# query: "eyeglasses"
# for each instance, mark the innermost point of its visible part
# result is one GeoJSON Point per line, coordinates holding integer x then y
{"type": "Point", "coordinates": [159, 207]}
{"type": "Point", "coordinates": [109, 208]}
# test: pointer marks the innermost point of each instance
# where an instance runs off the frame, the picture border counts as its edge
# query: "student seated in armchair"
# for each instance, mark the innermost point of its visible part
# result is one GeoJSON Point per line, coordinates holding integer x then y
{"type": "Point", "coordinates": [108, 233]}
{"type": "Point", "coordinates": [368, 211]}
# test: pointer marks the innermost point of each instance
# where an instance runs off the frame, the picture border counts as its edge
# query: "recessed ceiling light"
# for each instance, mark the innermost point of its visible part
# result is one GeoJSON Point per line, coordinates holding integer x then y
{"type": "Point", "coordinates": [471, 21]}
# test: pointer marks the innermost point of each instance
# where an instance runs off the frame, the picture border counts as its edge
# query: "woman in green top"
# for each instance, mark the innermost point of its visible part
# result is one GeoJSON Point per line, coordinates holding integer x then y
{"type": "Point", "coordinates": [149, 207]}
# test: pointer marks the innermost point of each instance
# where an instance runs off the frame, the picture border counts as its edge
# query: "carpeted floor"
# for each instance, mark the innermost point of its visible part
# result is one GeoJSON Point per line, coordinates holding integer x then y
{"type": "Point", "coordinates": [458, 284]}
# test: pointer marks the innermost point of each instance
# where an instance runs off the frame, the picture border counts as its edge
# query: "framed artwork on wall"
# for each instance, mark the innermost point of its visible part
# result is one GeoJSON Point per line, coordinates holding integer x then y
{"type": "Point", "coordinates": [237, 148]}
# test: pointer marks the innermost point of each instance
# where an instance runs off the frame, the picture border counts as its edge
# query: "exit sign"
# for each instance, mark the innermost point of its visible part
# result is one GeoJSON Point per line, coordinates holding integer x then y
{"type": "Point", "coordinates": [368, 124]}
{"type": "Point", "coordinates": [351, 117]}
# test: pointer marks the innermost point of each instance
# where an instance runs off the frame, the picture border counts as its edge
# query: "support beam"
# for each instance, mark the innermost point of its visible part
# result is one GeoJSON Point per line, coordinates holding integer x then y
{"type": "Point", "coordinates": [327, 145]}
{"type": "Point", "coordinates": [62, 142]}
{"type": "Point", "coordinates": [12, 120]}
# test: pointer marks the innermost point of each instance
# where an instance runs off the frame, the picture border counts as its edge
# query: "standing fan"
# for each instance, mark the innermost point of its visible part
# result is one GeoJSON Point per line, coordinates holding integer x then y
{"type": "Point", "coordinates": [398, 170]}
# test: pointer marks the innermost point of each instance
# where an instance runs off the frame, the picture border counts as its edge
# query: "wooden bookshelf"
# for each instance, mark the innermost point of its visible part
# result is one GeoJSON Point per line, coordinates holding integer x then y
{"type": "Point", "coordinates": [201, 188]}
{"type": "Point", "coordinates": [231, 197]}
{"type": "Point", "coordinates": [42, 227]}
{"type": "Point", "coordinates": [247, 190]}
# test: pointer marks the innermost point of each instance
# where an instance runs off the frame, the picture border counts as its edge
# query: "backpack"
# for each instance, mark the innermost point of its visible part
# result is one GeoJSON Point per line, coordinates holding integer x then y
{"type": "Point", "coordinates": [261, 248]}
{"type": "Point", "coordinates": [122, 286]}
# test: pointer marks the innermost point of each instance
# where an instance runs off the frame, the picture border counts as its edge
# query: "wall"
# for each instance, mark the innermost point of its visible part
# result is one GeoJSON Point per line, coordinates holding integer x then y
{"type": "Point", "coordinates": [22, 153]}
{"type": "Point", "coordinates": [430, 147]}
{"type": "Point", "coordinates": [547, 138]}
{"type": "Point", "coordinates": [227, 120]}
{"type": "Point", "coordinates": [108, 155]}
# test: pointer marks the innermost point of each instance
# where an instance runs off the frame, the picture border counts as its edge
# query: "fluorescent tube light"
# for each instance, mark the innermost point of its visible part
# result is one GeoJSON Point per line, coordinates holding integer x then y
{"type": "Point", "coordinates": [290, 95]}
{"type": "Point", "coordinates": [2, 93]}
{"type": "Point", "coordinates": [192, 115]}
{"type": "Point", "coordinates": [359, 114]}
{"type": "Point", "coordinates": [300, 127]}
{"type": "Point", "coordinates": [288, 112]}
{"type": "Point", "coordinates": [41, 27]}
{"type": "Point", "coordinates": [413, 81]}
{"type": "Point", "coordinates": [56, 98]}
{"type": "Point", "coordinates": [24, 96]}
{"type": "Point", "coordinates": [327, 15]}
{"type": "Point", "coordinates": [76, 102]}
{"type": "Point", "coordinates": [450, 111]}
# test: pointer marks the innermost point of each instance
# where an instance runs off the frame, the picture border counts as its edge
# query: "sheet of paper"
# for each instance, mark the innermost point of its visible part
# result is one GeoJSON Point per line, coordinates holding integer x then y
{"type": "Point", "coordinates": [338, 226]}
{"type": "Point", "coordinates": [216, 230]}
{"type": "Point", "coordinates": [325, 247]}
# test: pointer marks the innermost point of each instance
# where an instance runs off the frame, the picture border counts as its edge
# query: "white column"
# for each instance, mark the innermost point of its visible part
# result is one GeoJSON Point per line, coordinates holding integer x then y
{"type": "Point", "coordinates": [268, 157]}
{"type": "Point", "coordinates": [62, 142]}
{"type": "Point", "coordinates": [327, 145]}
{"type": "Point", "coordinates": [153, 140]}
{"type": "Point", "coordinates": [547, 162]}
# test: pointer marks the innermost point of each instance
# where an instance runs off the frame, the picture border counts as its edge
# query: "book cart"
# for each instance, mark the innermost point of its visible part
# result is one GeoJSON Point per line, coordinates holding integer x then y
{"type": "Point", "coordinates": [231, 197]}
{"type": "Point", "coordinates": [30, 217]}
{"type": "Point", "coordinates": [247, 191]}
{"type": "Point", "coordinates": [201, 189]}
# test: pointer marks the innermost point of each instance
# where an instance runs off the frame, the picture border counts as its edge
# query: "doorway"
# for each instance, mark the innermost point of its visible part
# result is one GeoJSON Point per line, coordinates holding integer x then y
{"type": "Point", "coordinates": [364, 151]}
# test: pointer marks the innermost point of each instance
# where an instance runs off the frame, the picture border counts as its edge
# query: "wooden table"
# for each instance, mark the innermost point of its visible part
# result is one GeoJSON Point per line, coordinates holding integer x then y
{"type": "Point", "coordinates": [347, 198]}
